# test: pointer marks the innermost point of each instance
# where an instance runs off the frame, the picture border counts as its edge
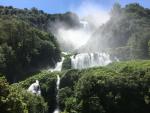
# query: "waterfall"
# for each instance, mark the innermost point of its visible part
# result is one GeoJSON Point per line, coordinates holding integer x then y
{"type": "Point", "coordinates": [57, 110]}
{"type": "Point", "coordinates": [35, 88]}
{"type": "Point", "coordinates": [85, 60]}
{"type": "Point", "coordinates": [84, 23]}
{"type": "Point", "coordinates": [58, 66]}
{"type": "Point", "coordinates": [58, 82]}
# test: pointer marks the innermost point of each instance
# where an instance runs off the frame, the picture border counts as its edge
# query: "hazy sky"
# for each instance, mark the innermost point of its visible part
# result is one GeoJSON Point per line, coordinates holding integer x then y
{"type": "Point", "coordinates": [60, 6]}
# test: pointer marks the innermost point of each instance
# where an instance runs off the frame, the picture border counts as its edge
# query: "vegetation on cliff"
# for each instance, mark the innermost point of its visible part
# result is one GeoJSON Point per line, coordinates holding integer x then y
{"type": "Point", "coordinates": [117, 88]}
{"type": "Point", "coordinates": [25, 49]}
{"type": "Point", "coordinates": [15, 99]}
{"type": "Point", "coordinates": [126, 35]}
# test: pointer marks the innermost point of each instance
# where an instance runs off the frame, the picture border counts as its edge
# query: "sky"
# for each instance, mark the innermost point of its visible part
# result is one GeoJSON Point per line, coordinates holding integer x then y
{"type": "Point", "coordinates": [61, 6]}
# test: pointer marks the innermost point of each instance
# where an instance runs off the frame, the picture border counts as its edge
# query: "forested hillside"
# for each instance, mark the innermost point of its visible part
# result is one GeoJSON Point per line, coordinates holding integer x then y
{"type": "Point", "coordinates": [15, 99]}
{"type": "Point", "coordinates": [117, 88]}
{"type": "Point", "coordinates": [26, 41]}
{"type": "Point", "coordinates": [39, 19]}
{"type": "Point", "coordinates": [126, 35]}
{"type": "Point", "coordinates": [25, 49]}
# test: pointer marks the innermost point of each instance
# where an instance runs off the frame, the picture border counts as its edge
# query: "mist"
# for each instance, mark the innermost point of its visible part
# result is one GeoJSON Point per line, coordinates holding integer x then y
{"type": "Point", "coordinates": [93, 13]}
{"type": "Point", "coordinates": [91, 17]}
{"type": "Point", "coordinates": [76, 37]}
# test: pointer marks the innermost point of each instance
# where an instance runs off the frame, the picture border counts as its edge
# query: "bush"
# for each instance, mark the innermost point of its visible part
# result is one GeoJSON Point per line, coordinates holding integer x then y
{"type": "Point", "coordinates": [25, 49]}
{"type": "Point", "coordinates": [14, 99]}
{"type": "Point", "coordinates": [117, 88]}
{"type": "Point", "coordinates": [67, 63]}
{"type": "Point", "coordinates": [47, 82]}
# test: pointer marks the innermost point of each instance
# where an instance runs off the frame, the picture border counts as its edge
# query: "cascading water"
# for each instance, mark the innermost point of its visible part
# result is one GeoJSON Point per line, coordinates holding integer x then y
{"type": "Point", "coordinates": [58, 82]}
{"type": "Point", "coordinates": [35, 88]}
{"type": "Point", "coordinates": [85, 24]}
{"type": "Point", "coordinates": [85, 60]}
{"type": "Point", "coordinates": [58, 66]}
{"type": "Point", "coordinates": [57, 110]}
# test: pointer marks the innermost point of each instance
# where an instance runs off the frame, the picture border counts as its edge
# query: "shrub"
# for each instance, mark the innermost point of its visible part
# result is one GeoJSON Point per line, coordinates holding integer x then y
{"type": "Point", "coordinates": [14, 99]}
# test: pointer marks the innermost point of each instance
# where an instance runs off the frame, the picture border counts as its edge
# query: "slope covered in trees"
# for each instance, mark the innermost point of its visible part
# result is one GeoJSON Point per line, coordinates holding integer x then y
{"type": "Point", "coordinates": [121, 87]}
{"type": "Point", "coordinates": [26, 40]}
{"type": "Point", "coordinates": [47, 82]}
{"type": "Point", "coordinates": [41, 20]}
{"type": "Point", "coordinates": [14, 99]}
{"type": "Point", "coordinates": [117, 88]}
{"type": "Point", "coordinates": [126, 35]}
{"type": "Point", "coordinates": [24, 49]}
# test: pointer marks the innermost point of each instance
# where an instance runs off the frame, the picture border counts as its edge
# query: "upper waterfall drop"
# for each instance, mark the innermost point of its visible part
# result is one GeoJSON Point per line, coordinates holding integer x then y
{"type": "Point", "coordinates": [84, 23]}
{"type": "Point", "coordinates": [86, 60]}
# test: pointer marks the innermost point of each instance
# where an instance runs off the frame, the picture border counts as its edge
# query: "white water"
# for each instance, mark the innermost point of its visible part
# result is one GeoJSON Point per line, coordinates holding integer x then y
{"type": "Point", "coordinates": [35, 88]}
{"type": "Point", "coordinates": [58, 66]}
{"type": "Point", "coordinates": [58, 82]}
{"type": "Point", "coordinates": [85, 60]}
{"type": "Point", "coordinates": [65, 53]}
{"type": "Point", "coordinates": [57, 110]}
{"type": "Point", "coordinates": [85, 24]}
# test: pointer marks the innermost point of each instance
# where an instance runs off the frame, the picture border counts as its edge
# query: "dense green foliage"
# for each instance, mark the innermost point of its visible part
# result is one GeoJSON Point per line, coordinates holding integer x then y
{"type": "Point", "coordinates": [43, 21]}
{"type": "Point", "coordinates": [14, 99]}
{"type": "Point", "coordinates": [66, 63]}
{"type": "Point", "coordinates": [39, 19]}
{"type": "Point", "coordinates": [130, 67]}
{"type": "Point", "coordinates": [25, 47]}
{"type": "Point", "coordinates": [47, 82]}
{"type": "Point", "coordinates": [121, 87]}
{"type": "Point", "coordinates": [117, 88]}
{"type": "Point", "coordinates": [126, 35]}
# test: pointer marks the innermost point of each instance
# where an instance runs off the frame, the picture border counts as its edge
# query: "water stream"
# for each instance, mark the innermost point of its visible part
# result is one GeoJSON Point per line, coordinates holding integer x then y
{"type": "Point", "coordinates": [57, 110]}
{"type": "Point", "coordinates": [58, 66]}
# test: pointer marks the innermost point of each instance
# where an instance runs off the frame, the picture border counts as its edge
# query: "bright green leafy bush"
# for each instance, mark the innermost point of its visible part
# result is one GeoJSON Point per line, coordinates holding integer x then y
{"type": "Point", "coordinates": [24, 49]}
{"type": "Point", "coordinates": [117, 88]}
{"type": "Point", "coordinates": [47, 82]}
{"type": "Point", "coordinates": [14, 99]}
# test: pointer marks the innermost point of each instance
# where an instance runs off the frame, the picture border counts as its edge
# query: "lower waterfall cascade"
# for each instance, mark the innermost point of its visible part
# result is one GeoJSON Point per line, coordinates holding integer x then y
{"type": "Point", "coordinates": [57, 110]}
{"type": "Point", "coordinates": [58, 67]}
